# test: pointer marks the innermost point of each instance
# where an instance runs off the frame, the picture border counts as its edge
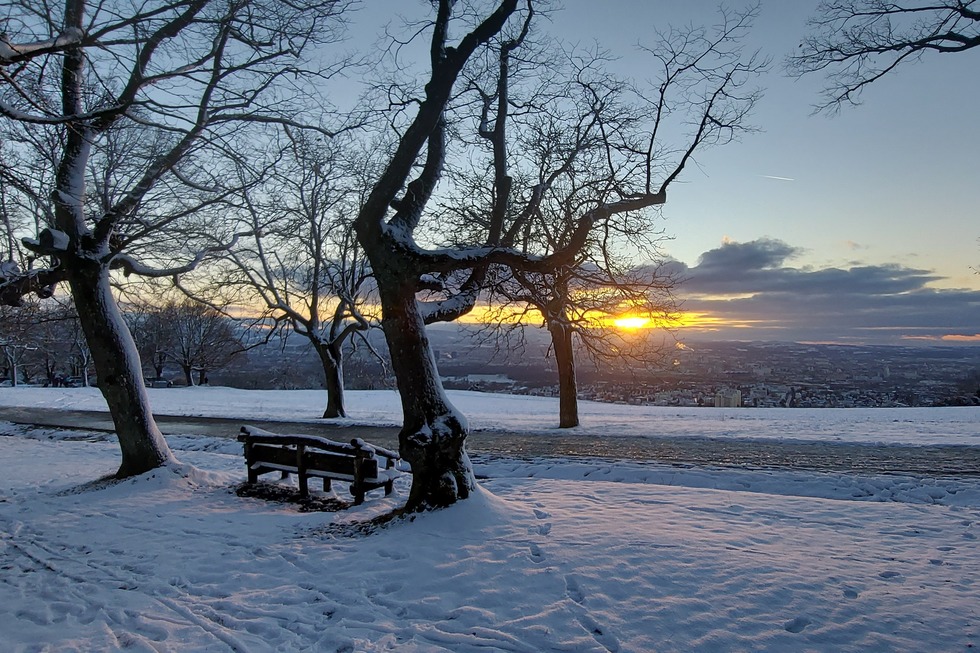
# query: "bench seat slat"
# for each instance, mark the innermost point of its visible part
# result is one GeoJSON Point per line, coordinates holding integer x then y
{"type": "Point", "coordinates": [382, 477]}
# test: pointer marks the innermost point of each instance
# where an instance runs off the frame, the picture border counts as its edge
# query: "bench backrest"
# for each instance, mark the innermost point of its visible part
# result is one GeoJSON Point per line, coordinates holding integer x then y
{"type": "Point", "coordinates": [357, 448]}
{"type": "Point", "coordinates": [313, 460]}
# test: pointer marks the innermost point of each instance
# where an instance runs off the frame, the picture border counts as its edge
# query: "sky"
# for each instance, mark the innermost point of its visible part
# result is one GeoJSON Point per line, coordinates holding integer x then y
{"type": "Point", "coordinates": [858, 226]}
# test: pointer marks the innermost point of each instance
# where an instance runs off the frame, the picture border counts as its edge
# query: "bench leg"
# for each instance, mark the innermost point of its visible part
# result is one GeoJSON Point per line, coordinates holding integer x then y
{"type": "Point", "coordinates": [326, 484]}
{"type": "Point", "coordinates": [358, 494]}
{"type": "Point", "coordinates": [304, 487]}
{"type": "Point", "coordinates": [389, 487]}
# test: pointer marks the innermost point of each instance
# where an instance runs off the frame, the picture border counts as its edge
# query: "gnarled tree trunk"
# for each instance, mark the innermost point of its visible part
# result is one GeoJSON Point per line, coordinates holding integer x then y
{"type": "Point", "coordinates": [332, 359]}
{"type": "Point", "coordinates": [433, 435]}
{"type": "Point", "coordinates": [561, 339]}
{"type": "Point", "coordinates": [120, 375]}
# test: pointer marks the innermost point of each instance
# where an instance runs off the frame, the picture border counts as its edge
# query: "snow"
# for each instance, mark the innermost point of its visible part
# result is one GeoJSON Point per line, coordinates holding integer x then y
{"type": "Point", "coordinates": [550, 555]}
{"type": "Point", "coordinates": [9, 52]}
{"type": "Point", "coordinates": [539, 415]}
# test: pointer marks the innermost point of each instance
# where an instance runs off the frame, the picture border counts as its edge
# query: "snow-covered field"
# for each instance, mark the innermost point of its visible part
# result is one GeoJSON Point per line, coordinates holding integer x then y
{"type": "Point", "coordinates": [496, 412]}
{"type": "Point", "coordinates": [551, 556]}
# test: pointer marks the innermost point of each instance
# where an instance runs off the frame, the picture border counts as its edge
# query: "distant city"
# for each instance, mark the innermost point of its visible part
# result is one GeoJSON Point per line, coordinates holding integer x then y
{"type": "Point", "coordinates": [747, 374]}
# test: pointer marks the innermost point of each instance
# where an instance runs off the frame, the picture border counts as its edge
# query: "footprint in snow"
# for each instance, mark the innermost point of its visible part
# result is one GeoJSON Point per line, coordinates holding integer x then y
{"type": "Point", "coordinates": [889, 574]}
{"type": "Point", "coordinates": [536, 554]}
{"type": "Point", "coordinates": [544, 529]}
{"type": "Point", "coordinates": [797, 625]}
{"type": "Point", "coordinates": [601, 635]}
{"type": "Point", "coordinates": [541, 514]}
{"type": "Point", "coordinates": [573, 590]}
{"type": "Point", "coordinates": [850, 594]}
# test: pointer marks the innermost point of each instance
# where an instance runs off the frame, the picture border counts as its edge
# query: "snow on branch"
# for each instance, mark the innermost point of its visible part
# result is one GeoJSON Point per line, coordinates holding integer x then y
{"type": "Point", "coordinates": [130, 265]}
{"type": "Point", "coordinates": [451, 308]}
{"type": "Point", "coordinates": [15, 53]}
{"type": "Point", "coordinates": [14, 284]}
{"type": "Point", "coordinates": [49, 242]}
{"type": "Point", "coordinates": [455, 259]}
{"type": "Point", "coordinates": [431, 282]}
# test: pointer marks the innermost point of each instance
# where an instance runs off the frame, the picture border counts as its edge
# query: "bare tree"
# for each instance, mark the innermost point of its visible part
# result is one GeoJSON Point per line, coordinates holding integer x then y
{"type": "Point", "coordinates": [197, 338]}
{"type": "Point", "coordinates": [580, 305]}
{"type": "Point", "coordinates": [61, 351]}
{"type": "Point", "coordinates": [150, 335]}
{"type": "Point", "coordinates": [548, 150]}
{"type": "Point", "coordinates": [302, 261]}
{"type": "Point", "coordinates": [637, 169]}
{"type": "Point", "coordinates": [856, 42]}
{"type": "Point", "coordinates": [186, 76]}
{"type": "Point", "coordinates": [18, 340]}
{"type": "Point", "coordinates": [79, 355]}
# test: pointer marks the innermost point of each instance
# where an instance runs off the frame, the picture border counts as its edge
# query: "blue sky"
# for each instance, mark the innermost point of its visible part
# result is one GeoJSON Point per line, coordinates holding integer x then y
{"type": "Point", "coordinates": [890, 181]}
{"type": "Point", "coordinates": [878, 226]}
{"type": "Point", "coordinates": [868, 216]}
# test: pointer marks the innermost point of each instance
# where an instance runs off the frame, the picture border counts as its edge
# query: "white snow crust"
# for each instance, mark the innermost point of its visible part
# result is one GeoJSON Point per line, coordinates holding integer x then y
{"type": "Point", "coordinates": [550, 555]}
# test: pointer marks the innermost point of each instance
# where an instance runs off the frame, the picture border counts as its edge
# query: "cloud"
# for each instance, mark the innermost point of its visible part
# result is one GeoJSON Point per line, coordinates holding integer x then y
{"type": "Point", "coordinates": [760, 266]}
{"type": "Point", "coordinates": [957, 337]}
{"type": "Point", "coordinates": [756, 255]}
{"type": "Point", "coordinates": [752, 284]}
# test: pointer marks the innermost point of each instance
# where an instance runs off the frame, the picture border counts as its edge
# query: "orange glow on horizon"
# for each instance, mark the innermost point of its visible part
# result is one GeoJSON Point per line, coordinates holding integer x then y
{"type": "Point", "coordinates": [631, 323]}
{"type": "Point", "coordinates": [680, 320]}
{"type": "Point", "coordinates": [627, 322]}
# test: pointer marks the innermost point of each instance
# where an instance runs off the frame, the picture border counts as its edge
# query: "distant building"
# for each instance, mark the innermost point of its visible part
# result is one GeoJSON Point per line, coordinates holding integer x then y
{"type": "Point", "coordinates": [728, 399]}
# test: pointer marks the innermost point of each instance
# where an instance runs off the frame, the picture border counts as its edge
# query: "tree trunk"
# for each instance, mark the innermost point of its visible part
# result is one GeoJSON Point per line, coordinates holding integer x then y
{"type": "Point", "coordinates": [188, 375]}
{"type": "Point", "coordinates": [120, 375]}
{"type": "Point", "coordinates": [332, 359]}
{"type": "Point", "coordinates": [433, 436]}
{"type": "Point", "coordinates": [86, 361]}
{"type": "Point", "coordinates": [561, 339]}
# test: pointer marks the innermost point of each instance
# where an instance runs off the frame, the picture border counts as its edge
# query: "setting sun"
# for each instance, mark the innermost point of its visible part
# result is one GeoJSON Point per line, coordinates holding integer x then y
{"type": "Point", "coordinates": [632, 322]}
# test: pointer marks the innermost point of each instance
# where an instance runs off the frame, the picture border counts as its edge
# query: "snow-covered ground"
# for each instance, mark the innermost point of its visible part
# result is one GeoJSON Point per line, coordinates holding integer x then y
{"type": "Point", "coordinates": [552, 555]}
{"type": "Point", "coordinates": [497, 412]}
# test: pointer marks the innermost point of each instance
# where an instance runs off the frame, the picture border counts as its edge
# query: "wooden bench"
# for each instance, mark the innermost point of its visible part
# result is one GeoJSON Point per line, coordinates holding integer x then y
{"type": "Point", "coordinates": [311, 456]}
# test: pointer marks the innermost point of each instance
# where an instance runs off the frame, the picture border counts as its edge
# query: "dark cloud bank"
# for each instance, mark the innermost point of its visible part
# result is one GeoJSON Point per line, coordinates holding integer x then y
{"type": "Point", "coordinates": [751, 284]}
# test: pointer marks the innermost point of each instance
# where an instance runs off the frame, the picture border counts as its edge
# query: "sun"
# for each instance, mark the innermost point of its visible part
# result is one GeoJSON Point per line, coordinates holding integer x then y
{"type": "Point", "coordinates": [632, 322]}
